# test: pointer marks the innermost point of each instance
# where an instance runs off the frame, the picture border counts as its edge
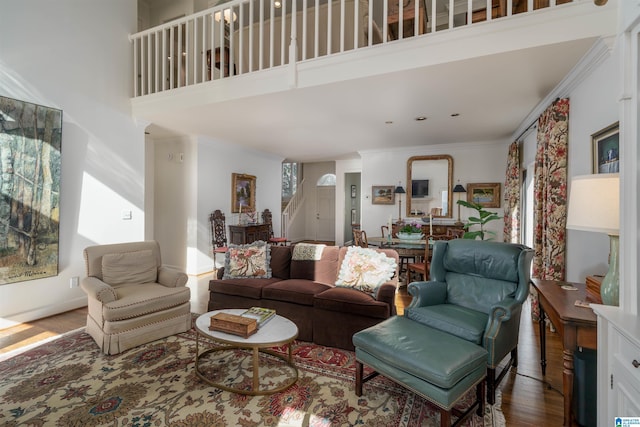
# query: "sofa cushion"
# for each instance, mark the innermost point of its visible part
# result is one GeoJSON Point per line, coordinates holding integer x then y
{"type": "Point", "coordinates": [345, 300]}
{"type": "Point", "coordinates": [280, 261]}
{"type": "Point", "coordinates": [297, 291]}
{"type": "Point", "coordinates": [249, 288]}
{"type": "Point", "coordinates": [308, 251]}
{"type": "Point", "coordinates": [323, 271]}
{"type": "Point", "coordinates": [129, 267]}
{"type": "Point", "coordinates": [365, 269]}
{"type": "Point", "coordinates": [453, 319]}
{"type": "Point", "coordinates": [248, 261]}
{"type": "Point", "coordinates": [143, 299]}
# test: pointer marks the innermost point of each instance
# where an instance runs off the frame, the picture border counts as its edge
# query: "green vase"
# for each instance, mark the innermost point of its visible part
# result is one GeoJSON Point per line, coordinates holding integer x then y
{"type": "Point", "coordinates": [610, 288]}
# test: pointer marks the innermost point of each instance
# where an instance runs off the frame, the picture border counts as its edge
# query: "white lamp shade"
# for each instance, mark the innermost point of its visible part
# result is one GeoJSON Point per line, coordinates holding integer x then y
{"type": "Point", "coordinates": [594, 203]}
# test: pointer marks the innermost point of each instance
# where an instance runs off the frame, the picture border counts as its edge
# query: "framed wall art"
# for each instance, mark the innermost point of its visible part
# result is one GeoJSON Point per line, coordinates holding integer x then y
{"type": "Point", "coordinates": [485, 194]}
{"type": "Point", "coordinates": [30, 144]}
{"type": "Point", "coordinates": [243, 193]}
{"type": "Point", "coordinates": [382, 195]}
{"type": "Point", "coordinates": [354, 191]}
{"type": "Point", "coordinates": [606, 149]}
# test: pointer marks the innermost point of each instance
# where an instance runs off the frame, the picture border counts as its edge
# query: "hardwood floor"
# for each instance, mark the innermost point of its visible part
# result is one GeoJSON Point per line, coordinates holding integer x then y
{"type": "Point", "coordinates": [527, 400]}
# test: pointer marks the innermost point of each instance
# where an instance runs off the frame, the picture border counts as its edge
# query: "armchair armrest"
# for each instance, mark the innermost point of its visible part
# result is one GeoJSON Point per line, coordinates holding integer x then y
{"type": "Point", "coordinates": [98, 290]}
{"type": "Point", "coordinates": [427, 293]}
{"type": "Point", "coordinates": [501, 332]}
{"type": "Point", "coordinates": [171, 277]}
{"type": "Point", "coordinates": [387, 294]}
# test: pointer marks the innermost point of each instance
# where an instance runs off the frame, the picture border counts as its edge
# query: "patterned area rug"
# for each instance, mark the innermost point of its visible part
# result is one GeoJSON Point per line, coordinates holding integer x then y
{"type": "Point", "coordinates": [69, 382]}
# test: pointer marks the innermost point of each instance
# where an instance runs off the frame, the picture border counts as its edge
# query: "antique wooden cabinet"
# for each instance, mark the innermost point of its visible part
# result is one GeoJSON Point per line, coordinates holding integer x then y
{"type": "Point", "coordinates": [243, 234]}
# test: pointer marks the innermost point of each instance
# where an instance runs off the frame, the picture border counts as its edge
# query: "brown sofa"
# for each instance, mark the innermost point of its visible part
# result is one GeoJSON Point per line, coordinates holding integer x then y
{"type": "Point", "coordinates": [304, 292]}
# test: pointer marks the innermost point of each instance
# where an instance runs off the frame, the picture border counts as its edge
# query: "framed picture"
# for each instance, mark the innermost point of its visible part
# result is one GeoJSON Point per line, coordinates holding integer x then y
{"type": "Point", "coordinates": [606, 149]}
{"type": "Point", "coordinates": [354, 217]}
{"type": "Point", "coordinates": [486, 194]}
{"type": "Point", "coordinates": [243, 193]}
{"type": "Point", "coordinates": [354, 191]}
{"type": "Point", "coordinates": [382, 195]}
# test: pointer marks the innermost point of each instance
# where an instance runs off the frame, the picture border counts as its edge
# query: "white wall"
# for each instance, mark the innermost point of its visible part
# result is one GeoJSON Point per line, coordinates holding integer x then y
{"type": "Point", "coordinates": [478, 162]}
{"type": "Point", "coordinates": [71, 55]}
{"type": "Point", "coordinates": [216, 161]}
{"type": "Point", "coordinates": [593, 106]}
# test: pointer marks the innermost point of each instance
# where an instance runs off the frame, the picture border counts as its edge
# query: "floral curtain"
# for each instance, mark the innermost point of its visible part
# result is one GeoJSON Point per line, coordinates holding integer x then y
{"type": "Point", "coordinates": [550, 195]}
{"type": "Point", "coordinates": [512, 196]}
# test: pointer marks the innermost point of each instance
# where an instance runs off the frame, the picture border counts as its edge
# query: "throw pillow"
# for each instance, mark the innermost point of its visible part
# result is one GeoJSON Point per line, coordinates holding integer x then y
{"type": "Point", "coordinates": [307, 252]}
{"type": "Point", "coordinates": [248, 261]}
{"type": "Point", "coordinates": [365, 270]}
{"type": "Point", "coordinates": [129, 267]}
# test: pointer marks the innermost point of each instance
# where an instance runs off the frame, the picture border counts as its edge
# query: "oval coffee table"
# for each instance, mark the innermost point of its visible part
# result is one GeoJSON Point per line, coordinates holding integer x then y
{"type": "Point", "coordinates": [276, 332]}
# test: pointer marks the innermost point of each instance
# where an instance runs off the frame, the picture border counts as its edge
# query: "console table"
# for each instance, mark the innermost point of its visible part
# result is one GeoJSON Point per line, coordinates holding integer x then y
{"type": "Point", "coordinates": [577, 327]}
{"type": "Point", "coordinates": [244, 234]}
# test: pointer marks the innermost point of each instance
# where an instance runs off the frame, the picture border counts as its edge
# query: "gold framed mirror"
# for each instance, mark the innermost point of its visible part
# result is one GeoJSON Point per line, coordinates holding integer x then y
{"type": "Point", "coordinates": [429, 185]}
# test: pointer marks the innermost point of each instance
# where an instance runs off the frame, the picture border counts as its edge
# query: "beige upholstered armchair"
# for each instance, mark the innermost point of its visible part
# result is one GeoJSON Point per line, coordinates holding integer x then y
{"type": "Point", "coordinates": [133, 298]}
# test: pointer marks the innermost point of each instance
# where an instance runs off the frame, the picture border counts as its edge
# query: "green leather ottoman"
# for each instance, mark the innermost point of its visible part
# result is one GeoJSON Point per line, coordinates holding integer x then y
{"type": "Point", "coordinates": [438, 366]}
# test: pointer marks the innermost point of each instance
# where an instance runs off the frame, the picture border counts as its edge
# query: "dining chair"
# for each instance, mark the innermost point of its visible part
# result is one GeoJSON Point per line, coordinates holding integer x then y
{"type": "Point", "coordinates": [218, 235]}
{"type": "Point", "coordinates": [267, 218]}
{"type": "Point", "coordinates": [455, 233]}
{"type": "Point", "coordinates": [405, 260]}
{"type": "Point", "coordinates": [360, 238]}
{"type": "Point", "coordinates": [422, 268]}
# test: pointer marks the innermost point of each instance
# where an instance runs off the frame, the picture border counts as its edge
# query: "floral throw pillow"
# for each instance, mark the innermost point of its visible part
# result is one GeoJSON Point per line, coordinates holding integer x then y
{"type": "Point", "coordinates": [250, 261]}
{"type": "Point", "coordinates": [365, 270]}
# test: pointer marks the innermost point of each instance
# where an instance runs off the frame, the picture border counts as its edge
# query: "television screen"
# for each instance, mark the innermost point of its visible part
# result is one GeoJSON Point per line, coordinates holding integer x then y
{"type": "Point", "coordinates": [419, 188]}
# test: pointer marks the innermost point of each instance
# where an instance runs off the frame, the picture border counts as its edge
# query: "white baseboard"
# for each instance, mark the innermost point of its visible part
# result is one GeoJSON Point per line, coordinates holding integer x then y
{"type": "Point", "coordinates": [42, 312]}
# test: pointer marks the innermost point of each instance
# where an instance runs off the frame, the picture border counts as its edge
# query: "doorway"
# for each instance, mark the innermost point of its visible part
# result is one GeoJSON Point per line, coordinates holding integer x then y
{"type": "Point", "coordinates": [352, 196]}
{"type": "Point", "coordinates": [325, 221]}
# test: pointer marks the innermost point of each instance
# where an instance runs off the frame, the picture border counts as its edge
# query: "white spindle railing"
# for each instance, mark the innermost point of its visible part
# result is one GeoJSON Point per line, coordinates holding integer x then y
{"type": "Point", "coordinates": [288, 213]}
{"type": "Point", "coordinates": [246, 36]}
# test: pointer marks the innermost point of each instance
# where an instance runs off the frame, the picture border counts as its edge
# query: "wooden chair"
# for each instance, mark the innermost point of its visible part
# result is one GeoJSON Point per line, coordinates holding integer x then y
{"type": "Point", "coordinates": [404, 259]}
{"type": "Point", "coordinates": [422, 268]}
{"type": "Point", "coordinates": [455, 233]}
{"type": "Point", "coordinates": [267, 218]}
{"type": "Point", "coordinates": [360, 238]}
{"type": "Point", "coordinates": [218, 235]}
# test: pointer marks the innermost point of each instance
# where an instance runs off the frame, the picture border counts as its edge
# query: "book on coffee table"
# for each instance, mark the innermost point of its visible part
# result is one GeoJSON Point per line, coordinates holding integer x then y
{"type": "Point", "coordinates": [260, 314]}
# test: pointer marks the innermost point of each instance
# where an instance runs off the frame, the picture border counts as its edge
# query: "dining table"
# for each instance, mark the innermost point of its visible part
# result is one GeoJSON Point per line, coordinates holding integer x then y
{"type": "Point", "coordinates": [404, 248]}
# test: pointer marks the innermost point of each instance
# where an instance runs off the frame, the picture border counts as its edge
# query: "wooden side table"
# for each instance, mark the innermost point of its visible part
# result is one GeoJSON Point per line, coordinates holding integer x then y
{"type": "Point", "coordinates": [577, 327]}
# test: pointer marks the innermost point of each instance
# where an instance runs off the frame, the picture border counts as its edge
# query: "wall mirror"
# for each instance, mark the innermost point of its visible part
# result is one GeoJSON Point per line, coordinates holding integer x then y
{"type": "Point", "coordinates": [429, 185]}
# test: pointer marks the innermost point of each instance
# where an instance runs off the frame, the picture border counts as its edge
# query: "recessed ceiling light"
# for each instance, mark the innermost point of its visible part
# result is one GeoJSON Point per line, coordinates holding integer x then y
{"type": "Point", "coordinates": [420, 118]}
{"type": "Point", "coordinates": [455, 114]}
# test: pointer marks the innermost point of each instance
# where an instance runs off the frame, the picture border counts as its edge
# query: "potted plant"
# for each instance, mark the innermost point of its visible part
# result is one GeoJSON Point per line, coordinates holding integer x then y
{"type": "Point", "coordinates": [410, 231]}
{"type": "Point", "coordinates": [483, 217]}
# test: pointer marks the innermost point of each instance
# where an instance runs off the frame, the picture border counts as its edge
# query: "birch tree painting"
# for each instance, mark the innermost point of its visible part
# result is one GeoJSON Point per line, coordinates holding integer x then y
{"type": "Point", "coordinates": [30, 141]}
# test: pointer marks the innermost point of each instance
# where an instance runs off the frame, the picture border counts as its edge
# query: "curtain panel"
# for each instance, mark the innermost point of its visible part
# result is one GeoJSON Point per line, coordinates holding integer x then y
{"type": "Point", "coordinates": [550, 196]}
{"type": "Point", "coordinates": [512, 185]}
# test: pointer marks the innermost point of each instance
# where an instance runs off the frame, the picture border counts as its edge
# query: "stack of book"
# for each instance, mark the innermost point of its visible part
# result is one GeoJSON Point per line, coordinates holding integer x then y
{"type": "Point", "coordinates": [260, 314]}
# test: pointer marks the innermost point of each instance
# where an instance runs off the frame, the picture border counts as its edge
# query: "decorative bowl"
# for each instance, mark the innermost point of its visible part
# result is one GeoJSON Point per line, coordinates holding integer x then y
{"type": "Point", "coordinates": [410, 236]}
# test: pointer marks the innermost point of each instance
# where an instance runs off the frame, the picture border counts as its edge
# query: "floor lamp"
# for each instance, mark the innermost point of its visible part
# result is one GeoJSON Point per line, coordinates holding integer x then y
{"type": "Point", "coordinates": [399, 191]}
{"type": "Point", "coordinates": [594, 205]}
{"type": "Point", "coordinates": [459, 189]}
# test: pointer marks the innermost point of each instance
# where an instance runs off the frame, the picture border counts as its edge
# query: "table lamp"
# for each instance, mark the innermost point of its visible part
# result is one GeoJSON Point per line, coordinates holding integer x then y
{"type": "Point", "coordinates": [399, 191]}
{"type": "Point", "coordinates": [594, 205]}
{"type": "Point", "coordinates": [459, 189]}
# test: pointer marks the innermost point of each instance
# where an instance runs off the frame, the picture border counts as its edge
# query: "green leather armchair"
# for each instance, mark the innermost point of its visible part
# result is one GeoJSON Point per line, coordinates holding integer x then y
{"type": "Point", "coordinates": [476, 292]}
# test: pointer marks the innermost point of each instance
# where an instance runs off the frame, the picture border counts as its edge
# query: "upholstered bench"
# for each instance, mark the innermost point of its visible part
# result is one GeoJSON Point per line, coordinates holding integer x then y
{"type": "Point", "coordinates": [438, 366]}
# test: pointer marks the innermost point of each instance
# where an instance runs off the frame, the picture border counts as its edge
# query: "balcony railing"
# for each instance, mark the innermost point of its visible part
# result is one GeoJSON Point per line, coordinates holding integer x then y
{"type": "Point", "coordinates": [248, 36]}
